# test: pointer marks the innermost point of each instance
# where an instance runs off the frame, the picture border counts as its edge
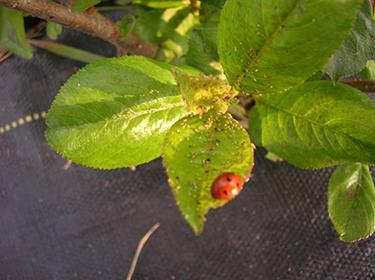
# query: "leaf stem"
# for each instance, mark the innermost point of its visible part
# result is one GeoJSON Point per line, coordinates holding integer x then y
{"type": "Point", "coordinates": [66, 51]}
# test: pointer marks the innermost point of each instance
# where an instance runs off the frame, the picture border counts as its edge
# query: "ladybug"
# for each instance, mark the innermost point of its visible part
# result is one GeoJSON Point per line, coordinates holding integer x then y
{"type": "Point", "coordinates": [226, 186]}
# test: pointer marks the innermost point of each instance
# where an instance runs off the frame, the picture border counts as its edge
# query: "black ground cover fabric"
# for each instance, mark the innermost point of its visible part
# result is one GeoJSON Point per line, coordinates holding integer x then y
{"type": "Point", "coordinates": [81, 223]}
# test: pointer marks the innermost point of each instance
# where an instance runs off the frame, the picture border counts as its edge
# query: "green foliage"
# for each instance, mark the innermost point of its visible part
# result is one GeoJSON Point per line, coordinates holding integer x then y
{"type": "Point", "coordinates": [358, 47]}
{"type": "Point", "coordinates": [115, 113]}
{"type": "Point", "coordinates": [130, 110]}
{"type": "Point", "coordinates": [316, 124]}
{"type": "Point", "coordinates": [214, 3]}
{"type": "Point", "coordinates": [82, 5]}
{"type": "Point", "coordinates": [53, 30]}
{"type": "Point", "coordinates": [369, 72]}
{"type": "Point", "coordinates": [12, 33]}
{"type": "Point", "coordinates": [162, 4]}
{"type": "Point", "coordinates": [168, 28]}
{"type": "Point", "coordinates": [127, 23]}
{"type": "Point", "coordinates": [202, 48]}
{"type": "Point", "coordinates": [272, 46]}
{"type": "Point", "coordinates": [351, 202]}
{"type": "Point", "coordinates": [197, 150]}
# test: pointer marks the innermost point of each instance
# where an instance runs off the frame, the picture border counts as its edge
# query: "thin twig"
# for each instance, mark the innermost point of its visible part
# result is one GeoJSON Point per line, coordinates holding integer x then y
{"type": "Point", "coordinates": [98, 26]}
{"type": "Point", "coordinates": [141, 244]}
{"type": "Point", "coordinates": [93, 24]}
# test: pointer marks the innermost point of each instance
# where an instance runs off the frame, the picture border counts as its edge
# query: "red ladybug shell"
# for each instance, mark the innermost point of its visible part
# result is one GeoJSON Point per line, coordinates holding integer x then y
{"type": "Point", "coordinates": [226, 186]}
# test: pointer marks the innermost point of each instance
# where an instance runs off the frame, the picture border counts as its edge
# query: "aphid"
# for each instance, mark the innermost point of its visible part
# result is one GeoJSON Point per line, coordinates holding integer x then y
{"type": "Point", "coordinates": [226, 186]}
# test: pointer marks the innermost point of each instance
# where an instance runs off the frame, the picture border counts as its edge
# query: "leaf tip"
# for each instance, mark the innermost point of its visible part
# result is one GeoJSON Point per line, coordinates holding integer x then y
{"type": "Point", "coordinates": [197, 228]}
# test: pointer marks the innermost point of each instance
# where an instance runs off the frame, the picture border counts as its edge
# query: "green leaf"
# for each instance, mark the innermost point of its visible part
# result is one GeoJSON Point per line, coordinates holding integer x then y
{"type": "Point", "coordinates": [115, 113]}
{"type": "Point", "coordinates": [127, 24]}
{"type": "Point", "coordinates": [216, 3]}
{"type": "Point", "coordinates": [67, 51]}
{"type": "Point", "coordinates": [351, 202]}
{"type": "Point", "coordinates": [203, 93]}
{"type": "Point", "coordinates": [270, 46]}
{"type": "Point", "coordinates": [202, 50]}
{"type": "Point", "coordinates": [53, 30]}
{"type": "Point", "coordinates": [369, 72]}
{"type": "Point", "coordinates": [12, 33]}
{"type": "Point", "coordinates": [83, 5]}
{"type": "Point", "coordinates": [162, 4]}
{"type": "Point", "coordinates": [168, 28]}
{"type": "Point", "coordinates": [352, 56]}
{"type": "Point", "coordinates": [316, 77]}
{"type": "Point", "coordinates": [197, 150]}
{"type": "Point", "coordinates": [316, 124]}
